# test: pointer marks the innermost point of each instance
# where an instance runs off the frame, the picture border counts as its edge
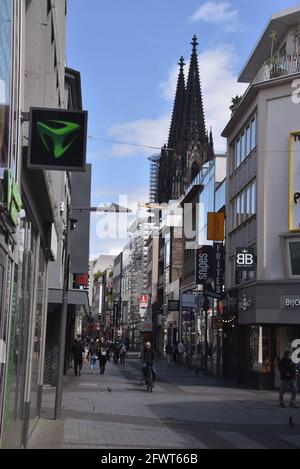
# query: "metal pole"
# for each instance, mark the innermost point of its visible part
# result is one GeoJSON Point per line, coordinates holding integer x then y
{"type": "Point", "coordinates": [63, 325]}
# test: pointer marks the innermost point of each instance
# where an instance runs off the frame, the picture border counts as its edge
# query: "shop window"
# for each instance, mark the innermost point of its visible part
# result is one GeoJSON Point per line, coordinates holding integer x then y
{"type": "Point", "coordinates": [294, 247]}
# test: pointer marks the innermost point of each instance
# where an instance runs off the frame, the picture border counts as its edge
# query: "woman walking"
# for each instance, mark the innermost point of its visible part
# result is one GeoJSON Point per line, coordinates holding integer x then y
{"type": "Point", "coordinates": [102, 358]}
{"type": "Point", "coordinates": [92, 356]}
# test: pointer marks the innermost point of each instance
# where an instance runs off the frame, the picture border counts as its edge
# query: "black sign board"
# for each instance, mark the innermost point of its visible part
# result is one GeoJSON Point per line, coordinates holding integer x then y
{"type": "Point", "coordinates": [219, 267]}
{"type": "Point", "coordinates": [245, 259]}
{"type": "Point", "coordinates": [173, 305]}
{"type": "Point", "coordinates": [57, 139]}
{"type": "Point", "coordinates": [204, 264]}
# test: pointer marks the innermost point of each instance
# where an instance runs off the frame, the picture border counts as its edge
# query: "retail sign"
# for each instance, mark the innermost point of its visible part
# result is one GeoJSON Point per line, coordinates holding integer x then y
{"type": "Point", "coordinates": [204, 264]}
{"type": "Point", "coordinates": [219, 267]}
{"type": "Point", "coordinates": [215, 226]}
{"type": "Point", "coordinates": [290, 302]}
{"type": "Point", "coordinates": [245, 259]}
{"type": "Point", "coordinates": [187, 301]}
{"type": "Point", "coordinates": [57, 139]}
{"type": "Point", "coordinates": [12, 197]}
{"type": "Point", "coordinates": [146, 326]}
{"type": "Point", "coordinates": [143, 301]}
{"type": "Point", "coordinates": [80, 280]}
{"type": "Point", "coordinates": [294, 182]}
{"type": "Point", "coordinates": [173, 305]}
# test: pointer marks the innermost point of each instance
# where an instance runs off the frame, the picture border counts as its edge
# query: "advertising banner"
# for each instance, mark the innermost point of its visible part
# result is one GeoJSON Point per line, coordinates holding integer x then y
{"type": "Point", "coordinates": [294, 183]}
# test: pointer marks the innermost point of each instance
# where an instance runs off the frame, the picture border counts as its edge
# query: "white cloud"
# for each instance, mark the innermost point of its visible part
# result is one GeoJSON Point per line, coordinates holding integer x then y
{"type": "Point", "coordinates": [221, 13]}
{"type": "Point", "coordinates": [219, 85]}
{"type": "Point", "coordinates": [144, 132]}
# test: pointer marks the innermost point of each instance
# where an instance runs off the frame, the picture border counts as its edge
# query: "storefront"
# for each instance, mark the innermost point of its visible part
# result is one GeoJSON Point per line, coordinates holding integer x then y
{"type": "Point", "coordinates": [260, 323]}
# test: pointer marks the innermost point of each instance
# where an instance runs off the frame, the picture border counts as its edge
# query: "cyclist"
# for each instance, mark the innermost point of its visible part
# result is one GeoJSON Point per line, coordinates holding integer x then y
{"type": "Point", "coordinates": [148, 356]}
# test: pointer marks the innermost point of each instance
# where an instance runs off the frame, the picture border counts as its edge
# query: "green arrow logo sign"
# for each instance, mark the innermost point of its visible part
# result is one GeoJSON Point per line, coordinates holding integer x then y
{"type": "Point", "coordinates": [57, 135]}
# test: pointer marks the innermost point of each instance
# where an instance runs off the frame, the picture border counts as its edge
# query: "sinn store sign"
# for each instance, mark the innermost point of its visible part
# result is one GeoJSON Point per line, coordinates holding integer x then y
{"type": "Point", "coordinates": [245, 259]}
{"type": "Point", "coordinates": [57, 139]}
{"type": "Point", "coordinates": [294, 185]}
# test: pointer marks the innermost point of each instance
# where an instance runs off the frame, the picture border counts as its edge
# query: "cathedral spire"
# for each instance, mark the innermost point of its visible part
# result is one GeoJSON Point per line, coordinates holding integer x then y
{"type": "Point", "coordinates": [178, 109]}
{"type": "Point", "coordinates": [194, 130]}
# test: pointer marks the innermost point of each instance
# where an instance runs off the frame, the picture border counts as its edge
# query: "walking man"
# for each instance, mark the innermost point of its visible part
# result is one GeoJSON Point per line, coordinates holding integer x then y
{"type": "Point", "coordinates": [77, 350]}
{"type": "Point", "coordinates": [288, 379]}
{"type": "Point", "coordinates": [169, 352]}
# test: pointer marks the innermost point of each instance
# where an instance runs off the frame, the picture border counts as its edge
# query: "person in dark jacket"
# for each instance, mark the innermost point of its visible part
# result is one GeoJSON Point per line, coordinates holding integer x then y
{"type": "Point", "coordinates": [169, 352]}
{"type": "Point", "coordinates": [102, 356]}
{"type": "Point", "coordinates": [288, 379]}
{"type": "Point", "coordinates": [77, 351]}
{"type": "Point", "coordinates": [148, 356]}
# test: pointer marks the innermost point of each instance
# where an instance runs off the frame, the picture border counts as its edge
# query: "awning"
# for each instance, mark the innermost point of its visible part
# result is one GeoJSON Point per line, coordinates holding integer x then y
{"type": "Point", "coordinates": [75, 297]}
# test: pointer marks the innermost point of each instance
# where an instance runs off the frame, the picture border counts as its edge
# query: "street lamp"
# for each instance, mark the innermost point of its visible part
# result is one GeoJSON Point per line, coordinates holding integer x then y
{"type": "Point", "coordinates": [71, 223]}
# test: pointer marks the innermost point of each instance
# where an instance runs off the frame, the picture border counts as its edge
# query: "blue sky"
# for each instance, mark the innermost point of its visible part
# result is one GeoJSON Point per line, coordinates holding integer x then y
{"type": "Point", "coordinates": [127, 51]}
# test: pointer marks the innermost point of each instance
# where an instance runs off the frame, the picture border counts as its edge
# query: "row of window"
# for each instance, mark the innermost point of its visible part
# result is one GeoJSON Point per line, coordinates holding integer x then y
{"type": "Point", "coordinates": [244, 205]}
{"type": "Point", "coordinates": [245, 142]}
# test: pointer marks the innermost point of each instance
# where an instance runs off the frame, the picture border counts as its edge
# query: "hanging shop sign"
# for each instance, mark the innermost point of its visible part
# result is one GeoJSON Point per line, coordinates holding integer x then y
{"type": "Point", "coordinates": [215, 226]}
{"type": "Point", "coordinates": [12, 197]}
{"type": "Point", "coordinates": [219, 267]}
{"type": "Point", "coordinates": [173, 305]}
{"type": "Point", "coordinates": [57, 139]}
{"type": "Point", "coordinates": [245, 259]}
{"type": "Point", "coordinates": [187, 301]}
{"type": "Point", "coordinates": [294, 183]}
{"type": "Point", "coordinates": [204, 265]}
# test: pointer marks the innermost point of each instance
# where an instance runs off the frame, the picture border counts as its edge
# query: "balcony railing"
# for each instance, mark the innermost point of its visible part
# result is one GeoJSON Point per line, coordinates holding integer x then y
{"type": "Point", "coordinates": [281, 66]}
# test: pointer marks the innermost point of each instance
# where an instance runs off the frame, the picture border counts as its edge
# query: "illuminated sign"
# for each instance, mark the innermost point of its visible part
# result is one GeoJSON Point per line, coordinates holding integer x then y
{"type": "Point", "coordinates": [294, 183]}
{"type": "Point", "coordinates": [57, 139]}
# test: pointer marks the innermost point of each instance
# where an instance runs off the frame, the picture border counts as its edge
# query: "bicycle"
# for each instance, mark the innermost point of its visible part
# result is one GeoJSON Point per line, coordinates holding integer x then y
{"type": "Point", "coordinates": [148, 376]}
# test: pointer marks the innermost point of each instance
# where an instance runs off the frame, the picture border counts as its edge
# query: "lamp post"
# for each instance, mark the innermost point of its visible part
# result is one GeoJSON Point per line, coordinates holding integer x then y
{"type": "Point", "coordinates": [71, 223]}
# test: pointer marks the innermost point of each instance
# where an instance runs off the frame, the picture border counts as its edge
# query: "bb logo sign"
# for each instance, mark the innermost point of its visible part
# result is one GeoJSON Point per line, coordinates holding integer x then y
{"type": "Point", "coordinates": [245, 259]}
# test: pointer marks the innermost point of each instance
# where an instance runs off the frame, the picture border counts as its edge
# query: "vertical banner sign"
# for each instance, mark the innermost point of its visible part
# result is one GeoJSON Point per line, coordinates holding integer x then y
{"type": "Point", "coordinates": [215, 226]}
{"type": "Point", "coordinates": [294, 183]}
{"type": "Point", "coordinates": [204, 264]}
{"type": "Point", "coordinates": [219, 267]}
{"type": "Point", "coordinates": [245, 259]}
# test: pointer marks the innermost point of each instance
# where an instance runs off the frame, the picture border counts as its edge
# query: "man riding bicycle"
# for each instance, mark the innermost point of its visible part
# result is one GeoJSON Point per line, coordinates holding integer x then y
{"type": "Point", "coordinates": [148, 356]}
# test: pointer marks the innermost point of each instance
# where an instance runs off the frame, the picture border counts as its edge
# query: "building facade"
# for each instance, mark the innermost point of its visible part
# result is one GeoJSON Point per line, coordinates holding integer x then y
{"type": "Point", "coordinates": [262, 218]}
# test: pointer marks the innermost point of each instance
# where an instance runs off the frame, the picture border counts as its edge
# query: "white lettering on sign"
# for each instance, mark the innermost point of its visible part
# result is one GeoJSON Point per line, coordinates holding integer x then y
{"type": "Point", "coordinates": [292, 303]}
{"type": "Point", "coordinates": [203, 266]}
{"type": "Point", "coordinates": [245, 259]}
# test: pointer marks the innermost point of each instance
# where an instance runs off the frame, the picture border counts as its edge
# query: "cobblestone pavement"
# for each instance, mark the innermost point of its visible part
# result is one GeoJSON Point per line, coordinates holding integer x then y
{"type": "Point", "coordinates": [184, 411]}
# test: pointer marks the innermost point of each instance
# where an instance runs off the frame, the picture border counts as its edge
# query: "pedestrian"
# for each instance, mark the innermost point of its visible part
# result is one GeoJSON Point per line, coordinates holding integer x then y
{"type": "Point", "coordinates": [122, 354]}
{"type": "Point", "coordinates": [169, 352]}
{"type": "Point", "coordinates": [116, 352]}
{"type": "Point", "coordinates": [102, 356]}
{"type": "Point", "coordinates": [77, 351]}
{"type": "Point", "coordinates": [288, 379]}
{"type": "Point", "coordinates": [175, 352]}
{"type": "Point", "coordinates": [92, 356]}
{"type": "Point", "coordinates": [180, 352]}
